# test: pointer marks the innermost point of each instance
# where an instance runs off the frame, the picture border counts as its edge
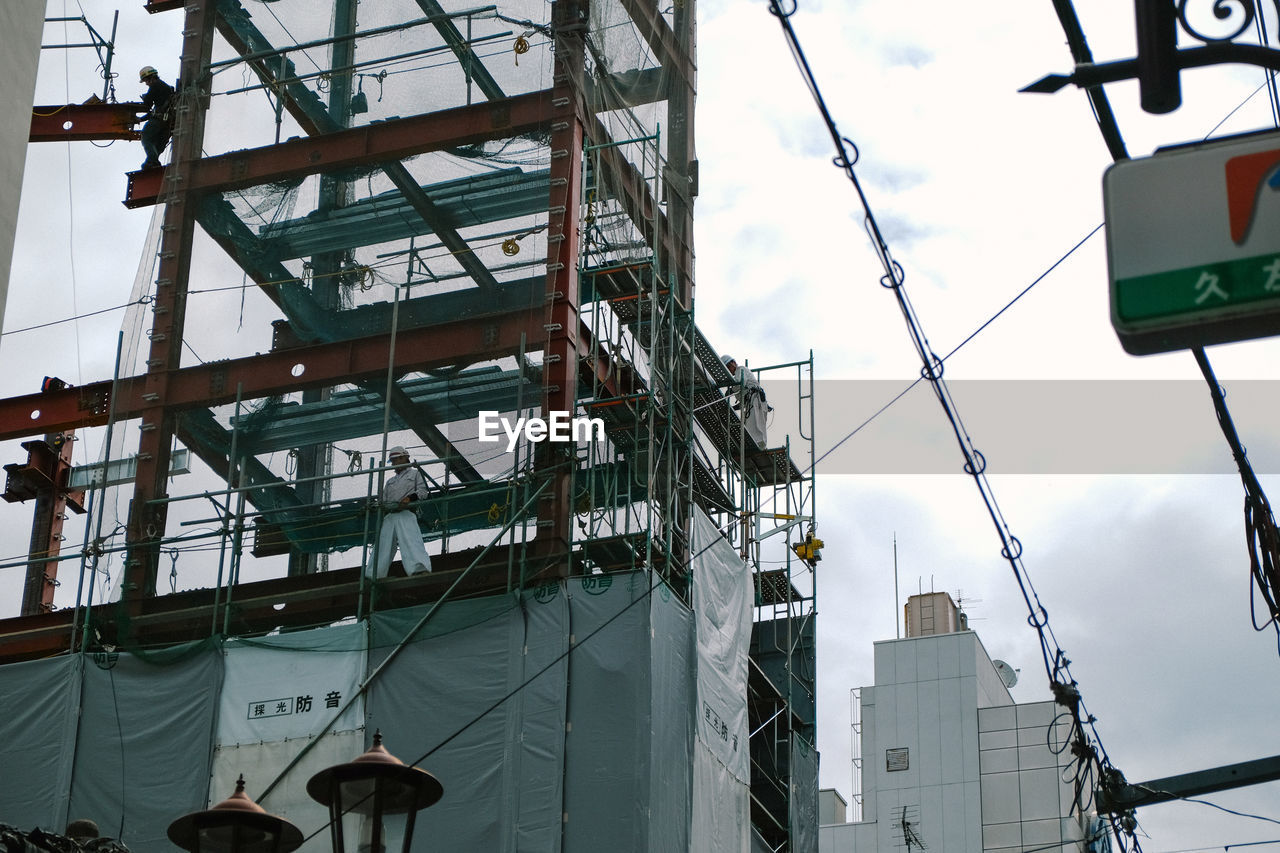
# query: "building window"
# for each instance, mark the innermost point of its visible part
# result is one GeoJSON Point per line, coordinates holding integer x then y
{"type": "Point", "coordinates": [896, 759]}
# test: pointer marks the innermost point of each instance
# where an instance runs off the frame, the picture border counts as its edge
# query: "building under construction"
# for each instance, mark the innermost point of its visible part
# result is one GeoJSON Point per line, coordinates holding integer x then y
{"type": "Point", "coordinates": [401, 223]}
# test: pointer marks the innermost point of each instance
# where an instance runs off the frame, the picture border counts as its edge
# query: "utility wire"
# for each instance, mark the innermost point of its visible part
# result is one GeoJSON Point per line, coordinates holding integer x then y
{"type": "Point", "coordinates": [957, 347]}
{"type": "Point", "coordinates": [1090, 758]}
{"type": "Point", "coordinates": [72, 319]}
{"type": "Point", "coordinates": [1116, 144]}
{"type": "Point", "coordinates": [1259, 524]}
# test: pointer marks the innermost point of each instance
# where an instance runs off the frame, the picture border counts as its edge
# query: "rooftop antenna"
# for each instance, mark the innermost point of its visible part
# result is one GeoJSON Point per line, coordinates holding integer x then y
{"type": "Point", "coordinates": [962, 600]}
{"type": "Point", "coordinates": [897, 608]}
{"type": "Point", "coordinates": [909, 835]}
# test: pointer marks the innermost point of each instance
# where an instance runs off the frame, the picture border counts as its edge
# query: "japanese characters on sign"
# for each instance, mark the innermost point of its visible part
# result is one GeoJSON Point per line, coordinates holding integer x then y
{"type": "Point", "coordinates": [294, 705]}
{"type": "Point", "coordinates": [1193, 244]}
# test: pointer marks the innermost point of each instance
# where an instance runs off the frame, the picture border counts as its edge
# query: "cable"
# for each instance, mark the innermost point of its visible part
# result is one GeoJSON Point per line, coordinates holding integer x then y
{"type": "Point", "coordinates": [1091, 758]}
{"type": "Point", "coordinates": [1260, 24]}
{"type": "Point", "coordinates": [958, 346]}
{"type": "Point", "coordinates": [1021, 294]}
{"type": "Point", "coordinates": [144, 301]}
{"type": "Point", "coordinates": [71, 206]}
{"type": "Point", "coordinates": [1173, 796]}
{"type": "Point", "coordinates": [1260, 525]}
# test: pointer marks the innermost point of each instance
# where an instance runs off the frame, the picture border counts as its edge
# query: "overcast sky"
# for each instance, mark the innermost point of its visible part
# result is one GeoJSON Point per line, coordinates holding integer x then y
{"type": "Point", "coordinates": [978, 191]}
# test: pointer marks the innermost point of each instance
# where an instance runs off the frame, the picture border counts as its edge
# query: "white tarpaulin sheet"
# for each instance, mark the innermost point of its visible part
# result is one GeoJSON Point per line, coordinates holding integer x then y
{"type": "Point", "coordinates": [278, 693]}
{"type": "Point", "coordinates": [291, 685]}
{"type": "Point", "coordinates": [262, 763]}
{"type": "Point", "coordinates": [722, 597]}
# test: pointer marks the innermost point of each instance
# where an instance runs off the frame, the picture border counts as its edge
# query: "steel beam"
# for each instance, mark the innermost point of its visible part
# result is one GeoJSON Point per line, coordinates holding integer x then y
{"type": "Point", "coordinates": [84, 122]}
{"type": "Point", "coordinates": [359, 146]}
{"type": "Point", "coordinates": [419, 420]}
{"type": "Point", "coordinates": [660, 38]}
{"type": "Point", "coordinates": [236, 26]}
{"type": "Point", "coordinates": [279, 372]}
{"type": "Point", "coordinates": [437, 222]}
{"type": "Point", "coordinates": [260, 606]}
{"type": "Point", "coordinates": [472, 65]}
{"type": "Point", "coordinates": [1125, 796]}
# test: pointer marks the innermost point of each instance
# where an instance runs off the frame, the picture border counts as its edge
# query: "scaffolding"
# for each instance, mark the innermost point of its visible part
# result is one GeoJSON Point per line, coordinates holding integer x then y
{"type": "Point", "coordinates": [451, 217]}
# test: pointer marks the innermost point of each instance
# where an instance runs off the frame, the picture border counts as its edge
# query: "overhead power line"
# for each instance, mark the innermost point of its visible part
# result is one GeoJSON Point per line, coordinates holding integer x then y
{"type": "Point", "coordinates": [1090, 763]}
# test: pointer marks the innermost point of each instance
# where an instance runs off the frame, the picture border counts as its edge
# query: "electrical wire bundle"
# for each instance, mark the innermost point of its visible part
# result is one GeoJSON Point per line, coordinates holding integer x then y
{"type": "Point", "coordinates": [1261, 537]}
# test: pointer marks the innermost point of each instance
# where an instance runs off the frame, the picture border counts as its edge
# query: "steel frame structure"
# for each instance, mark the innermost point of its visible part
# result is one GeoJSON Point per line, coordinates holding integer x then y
{"type": "Point", "coordinates": [595, 335]}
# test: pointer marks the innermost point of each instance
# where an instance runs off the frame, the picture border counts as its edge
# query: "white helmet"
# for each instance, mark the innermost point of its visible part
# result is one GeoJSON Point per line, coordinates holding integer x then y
{"type": "Point", "coordinates": [145, 72]}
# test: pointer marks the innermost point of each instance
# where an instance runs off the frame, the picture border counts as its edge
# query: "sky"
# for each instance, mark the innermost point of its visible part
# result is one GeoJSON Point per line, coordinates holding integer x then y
{"type": "Point", "coordinates": [978, 190]}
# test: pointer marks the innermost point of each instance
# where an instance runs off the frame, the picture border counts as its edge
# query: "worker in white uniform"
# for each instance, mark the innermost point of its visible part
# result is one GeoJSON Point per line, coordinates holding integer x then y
{"type": "Point", "coordinates": [399, 520]}
{"type": "Point", "coordinates": [750, 400]}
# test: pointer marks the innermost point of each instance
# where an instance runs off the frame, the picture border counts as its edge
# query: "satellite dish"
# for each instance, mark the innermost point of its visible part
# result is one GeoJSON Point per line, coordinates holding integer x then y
{"type": "Point", "coordinates": [1007, 674]}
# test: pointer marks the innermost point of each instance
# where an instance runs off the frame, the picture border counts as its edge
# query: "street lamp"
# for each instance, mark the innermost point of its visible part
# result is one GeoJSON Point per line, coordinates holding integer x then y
{"type": "Point", "coordinates": [375, 786]}
{"type": "Point", "coordinates": [235, 825]}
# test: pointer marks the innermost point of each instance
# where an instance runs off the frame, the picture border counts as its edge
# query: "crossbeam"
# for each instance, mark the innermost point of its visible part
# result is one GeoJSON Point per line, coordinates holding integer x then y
{"type": "Point", "coordinates": [281, 372]}
{"type": "Point", "coordinates": [1124, 797]}
{"type": "Point", "coordinates": [84, 122]}
{"type": "Point", "coordinates": [376, 143]}
{"type": "Point", "coordinates": [661, 40]}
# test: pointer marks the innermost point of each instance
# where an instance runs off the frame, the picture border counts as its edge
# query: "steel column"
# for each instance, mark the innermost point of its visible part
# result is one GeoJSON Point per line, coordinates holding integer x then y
{"type": "Point", "coordinates": [146, 526]}
{"type": "Point", "coordinates": [563, 344]}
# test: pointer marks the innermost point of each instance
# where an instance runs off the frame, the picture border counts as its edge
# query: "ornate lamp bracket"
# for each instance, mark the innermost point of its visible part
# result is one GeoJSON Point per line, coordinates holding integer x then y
{"type": "Point", "coordinates": [1216, 24]}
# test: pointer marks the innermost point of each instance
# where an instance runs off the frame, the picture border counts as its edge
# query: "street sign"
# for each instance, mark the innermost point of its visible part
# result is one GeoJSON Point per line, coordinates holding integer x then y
{"type": "Point", "coordinates": [1193, 244]}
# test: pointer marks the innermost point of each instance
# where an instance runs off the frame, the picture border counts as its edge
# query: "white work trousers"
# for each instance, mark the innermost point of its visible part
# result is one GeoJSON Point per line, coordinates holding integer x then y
{"type": "Point", "coordinates": [401, 529]}
{"type": "Point", "coordinates": [756, 419]}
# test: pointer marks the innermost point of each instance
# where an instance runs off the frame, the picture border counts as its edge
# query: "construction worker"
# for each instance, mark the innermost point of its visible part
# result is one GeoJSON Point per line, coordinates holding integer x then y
{"type": "Point", "coordinates": [399, 519]}
{"type": "Point", "coordinates": [158, 102]}
{"type": "Point", "coordinates": [751, 402]}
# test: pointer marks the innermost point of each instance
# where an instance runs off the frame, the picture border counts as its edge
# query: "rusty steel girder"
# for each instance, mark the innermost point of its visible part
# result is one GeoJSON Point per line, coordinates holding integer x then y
{"type": "Point", "coordinates": [271, 373]}
{"type": "Point", "coordinates": [376, 143]}
{"type": "Point", "coordinates": [84, 122]}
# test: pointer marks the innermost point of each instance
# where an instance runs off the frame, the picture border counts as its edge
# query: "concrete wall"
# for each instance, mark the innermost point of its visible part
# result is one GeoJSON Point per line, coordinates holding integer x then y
{"type": "Point", "coordinates": [981, 775]}
{"type": "Point", "coordinates": [21, 26]}
{"type": "Point", "coordinates": [1024, 752]}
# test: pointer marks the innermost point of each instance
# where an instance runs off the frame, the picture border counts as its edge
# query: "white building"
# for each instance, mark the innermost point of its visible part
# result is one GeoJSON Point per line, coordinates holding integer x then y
{"type": "Point", "coordinates": [949, 762]}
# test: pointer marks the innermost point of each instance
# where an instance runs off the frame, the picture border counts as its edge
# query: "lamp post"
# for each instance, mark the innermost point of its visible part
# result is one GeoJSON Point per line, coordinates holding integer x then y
{"type": "Point", "coordinates": [235, 825]}
{"type": "Point", "coordinates": [375, 786]}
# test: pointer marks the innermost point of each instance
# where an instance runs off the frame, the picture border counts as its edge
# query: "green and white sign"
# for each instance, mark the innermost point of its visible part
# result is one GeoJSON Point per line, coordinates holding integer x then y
{"type": "Point", "coordinates": [1193, 244]}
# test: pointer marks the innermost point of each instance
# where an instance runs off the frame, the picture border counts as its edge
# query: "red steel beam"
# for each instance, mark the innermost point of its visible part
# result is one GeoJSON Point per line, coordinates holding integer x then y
{"type": "Point", "coordinates": [562, 323]}
{"type": "Point", "coordinates": [374, 143]}
{"type": "Point", "coordinates": [82, 122]}
{"type": "Point", "coordinates": [271, 373]}
{"type": "Point", "coordinates": [257, 607]}
{"type": "Point", "coordinates": [662, 41]}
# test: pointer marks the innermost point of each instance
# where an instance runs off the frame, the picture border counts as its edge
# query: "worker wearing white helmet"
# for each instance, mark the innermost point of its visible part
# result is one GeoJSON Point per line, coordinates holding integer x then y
{"type": "Point", "coordinates": [400, 520]}
{"type": "Point", "coordinates": [750, 400]}
{"type": "Point", "coordinates": [158, 103]}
